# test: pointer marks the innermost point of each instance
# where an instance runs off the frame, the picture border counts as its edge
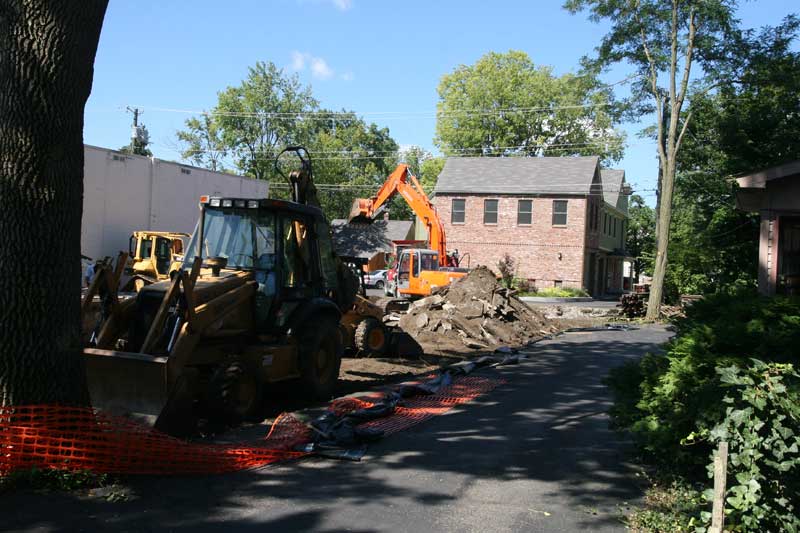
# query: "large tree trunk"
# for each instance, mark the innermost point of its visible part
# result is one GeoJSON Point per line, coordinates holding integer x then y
{"type": "Point", "coordinates": [47, 50]}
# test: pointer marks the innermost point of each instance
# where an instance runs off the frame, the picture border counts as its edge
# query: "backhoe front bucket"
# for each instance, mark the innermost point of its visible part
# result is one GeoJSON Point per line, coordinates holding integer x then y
{"type": "Point", "coordinates": [135, 385]}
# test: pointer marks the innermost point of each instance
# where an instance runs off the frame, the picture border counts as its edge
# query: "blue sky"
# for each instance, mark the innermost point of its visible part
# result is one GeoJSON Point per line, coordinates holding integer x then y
{"type": "Point", "coordinates": [369, 56]}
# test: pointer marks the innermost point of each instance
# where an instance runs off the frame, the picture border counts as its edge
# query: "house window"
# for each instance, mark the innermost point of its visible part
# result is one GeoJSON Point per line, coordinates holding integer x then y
{"type": "Point", "coordinates": [490, 211]}
{"type": "Point", "coordinates": [614, 230]}
{"type": "Point", "coordinates": [559, 212]}
{"type": "Point", "coordinates": [457, 211]}
{"type": "Point", "coordinates": [524, 211]}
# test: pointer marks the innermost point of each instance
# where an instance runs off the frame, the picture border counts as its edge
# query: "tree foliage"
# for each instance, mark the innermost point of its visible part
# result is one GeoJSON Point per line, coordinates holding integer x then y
{"type": "Point", "coordinates": [270, 110]}
{"type": "Point", "coordinates": [662, 41]}
{"type": "Point", "coordinates": [203, 143]}
{"type": "Point", "coordinates": [708, 387]}
{"type": "Point", "coordinates": [506, 105]}
{"type": "Point", "coordinates": [641, 242]}
{"type": "Point", "coordinates": [260, 116]}
{"type": "Point", "coordinates": [751, 121]}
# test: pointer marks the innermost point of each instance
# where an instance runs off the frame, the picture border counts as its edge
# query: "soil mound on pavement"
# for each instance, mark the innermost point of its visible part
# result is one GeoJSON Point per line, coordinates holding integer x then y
{"type": "Point", "coordinates": [474, 313]}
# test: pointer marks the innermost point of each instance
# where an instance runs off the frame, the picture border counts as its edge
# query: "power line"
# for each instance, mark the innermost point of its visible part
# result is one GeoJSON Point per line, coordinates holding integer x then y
{"type": "Point", "coordinates": [328, 115]}
{"type": "Point", "coordinates": [597, 141]}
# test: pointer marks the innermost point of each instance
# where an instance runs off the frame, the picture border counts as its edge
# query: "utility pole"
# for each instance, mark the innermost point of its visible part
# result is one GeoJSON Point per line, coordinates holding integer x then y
{"type": "Point", "coordinates": [140, 137]}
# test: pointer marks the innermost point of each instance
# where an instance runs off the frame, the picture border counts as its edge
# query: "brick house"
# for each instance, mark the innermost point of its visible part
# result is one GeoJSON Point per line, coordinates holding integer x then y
{"type": "Point", "coordinates": [563, 219]}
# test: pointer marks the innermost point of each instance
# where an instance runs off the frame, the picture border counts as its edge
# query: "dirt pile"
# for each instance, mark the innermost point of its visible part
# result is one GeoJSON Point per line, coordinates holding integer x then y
{"type": "Point", "coordinates": [473, 313]}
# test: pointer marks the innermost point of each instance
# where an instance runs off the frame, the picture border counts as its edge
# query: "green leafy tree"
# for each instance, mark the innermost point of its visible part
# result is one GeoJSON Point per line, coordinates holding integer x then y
{"type": "Point", "coordinates": [354, 159]}
{"type": "Point", "coordinates": [506, 105]}
{"type": "Point", "coordinates": [203, 143]}
{"type": "Point", "coordinates": [261, 116]}
{"type": "Point", "coordinates": [430, 170]}
{"type": "Point", "coordinates": [751, 121]}
{"type": "Point", "coordinates": [254, 121]}
{"type": "Point", "coordinates": [641, 241]}
{"type": "Point", "coordinates": [414, 156]}
{"type": "Point", "coordinates": [662, 41]}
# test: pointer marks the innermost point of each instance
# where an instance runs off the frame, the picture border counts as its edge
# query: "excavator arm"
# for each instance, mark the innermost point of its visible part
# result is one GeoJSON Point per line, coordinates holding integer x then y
{"type": "Point", "coordinates": [401, 181]}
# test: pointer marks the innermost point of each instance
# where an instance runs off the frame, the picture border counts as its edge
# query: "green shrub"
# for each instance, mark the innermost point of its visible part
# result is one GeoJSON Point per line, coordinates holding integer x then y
{"type": "Point", "coordinates": [762, 428]}
{"type": "Point", "coordinates": [707, 387]}
{"type": "Point", "coordinates": [661, 398]}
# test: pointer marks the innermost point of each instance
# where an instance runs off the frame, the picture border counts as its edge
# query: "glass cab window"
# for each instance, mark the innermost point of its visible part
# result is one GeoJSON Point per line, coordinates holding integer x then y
{"type": "Point", "coordinates": [404, 267]}
{"type": "Point", "coordinates": [296, 253]}
{"type": "Point", "coordinates": [245, 238]}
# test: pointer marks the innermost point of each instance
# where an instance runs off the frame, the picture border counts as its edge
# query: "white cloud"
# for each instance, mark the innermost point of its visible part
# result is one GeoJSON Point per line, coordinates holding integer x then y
{"type": "Point", "coordinates": [299, 60]}
{"type": "Point", "coordinates": [318, 67]}
{"type": "Point", "coordinates": [346, 76]}
{"type": "Point", "coordinates": [343, 5]}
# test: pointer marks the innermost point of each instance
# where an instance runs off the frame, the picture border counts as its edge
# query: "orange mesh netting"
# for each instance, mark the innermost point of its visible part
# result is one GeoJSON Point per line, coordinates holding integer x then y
{"type": "Point", "coordinates": [74, 438]}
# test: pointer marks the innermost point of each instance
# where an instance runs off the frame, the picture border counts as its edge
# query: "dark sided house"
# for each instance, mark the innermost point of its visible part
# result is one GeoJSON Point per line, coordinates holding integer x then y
{"type": "Point", "coordinates": [562, 219]}
{"type": "Point", "coordinates": [375, 242]}
{"type": "Point", "coordinates": [774, 193]}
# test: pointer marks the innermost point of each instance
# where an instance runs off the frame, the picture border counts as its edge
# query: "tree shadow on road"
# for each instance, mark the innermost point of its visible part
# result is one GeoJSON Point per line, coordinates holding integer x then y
{"type": "Point", "coordinates": [546, 424]}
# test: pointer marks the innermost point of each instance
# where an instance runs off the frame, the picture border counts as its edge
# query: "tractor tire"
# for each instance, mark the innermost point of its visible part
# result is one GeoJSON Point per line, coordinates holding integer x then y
{"type": "Point", "coordinates": [234, 394]}
{"type": "Point", "coordinates": [379, 284]}
{"type": "Point", "coordinates": [320, 358]}
{"type": "Point", "coordinates": [371, 338]}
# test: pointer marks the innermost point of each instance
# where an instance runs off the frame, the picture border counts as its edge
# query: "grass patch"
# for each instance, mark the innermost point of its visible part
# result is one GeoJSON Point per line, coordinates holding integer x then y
{"type": "Point", "coordinates": [669, 506]}
{"type": "Point", "coordinates": [557, 292]}
{"type": "Point", "coordinates": [52, 480]}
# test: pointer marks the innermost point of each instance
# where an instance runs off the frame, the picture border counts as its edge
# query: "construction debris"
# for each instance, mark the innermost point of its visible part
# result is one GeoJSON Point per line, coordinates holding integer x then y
{"type": "Point", "coordinates": [476, 313]}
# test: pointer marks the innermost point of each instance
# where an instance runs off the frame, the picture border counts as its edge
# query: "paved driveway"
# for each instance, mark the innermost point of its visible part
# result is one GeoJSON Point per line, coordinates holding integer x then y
{"type": "Point", "coordinates": [535, 454]}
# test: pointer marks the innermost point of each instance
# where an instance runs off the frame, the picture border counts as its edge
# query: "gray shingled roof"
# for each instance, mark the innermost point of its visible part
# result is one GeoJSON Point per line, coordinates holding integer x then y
{"type": "Point", "coordinates": [612, 185]}
{"type": "Point", "coordinates": [517, 175]}
{"type": "Point", "coordinates": [366, 240]}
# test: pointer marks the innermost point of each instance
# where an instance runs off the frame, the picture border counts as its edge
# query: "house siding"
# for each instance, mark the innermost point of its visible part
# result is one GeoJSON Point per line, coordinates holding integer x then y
{"type": "Point", "coordinates": [535, 247]}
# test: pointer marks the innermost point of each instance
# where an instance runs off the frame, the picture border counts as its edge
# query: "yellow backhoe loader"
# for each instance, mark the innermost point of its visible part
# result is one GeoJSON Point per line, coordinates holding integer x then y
{"type": "Point", "coordinates": [153, 256]}
{"type": "Point", "coordinates": [258, 300]}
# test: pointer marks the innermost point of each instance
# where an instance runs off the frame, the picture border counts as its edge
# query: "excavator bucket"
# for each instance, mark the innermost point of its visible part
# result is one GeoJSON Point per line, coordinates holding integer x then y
{"type": "Point", "coordinates": [359, 212]}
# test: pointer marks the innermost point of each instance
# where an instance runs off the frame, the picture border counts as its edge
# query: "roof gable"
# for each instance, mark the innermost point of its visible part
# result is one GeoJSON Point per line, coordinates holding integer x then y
{"type": "Point", "coordinates": [613, 182]}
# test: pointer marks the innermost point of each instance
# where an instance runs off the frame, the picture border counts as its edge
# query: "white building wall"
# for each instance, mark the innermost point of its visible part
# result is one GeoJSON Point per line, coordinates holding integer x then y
{"type": "Point", "coordinates": [123, 193]}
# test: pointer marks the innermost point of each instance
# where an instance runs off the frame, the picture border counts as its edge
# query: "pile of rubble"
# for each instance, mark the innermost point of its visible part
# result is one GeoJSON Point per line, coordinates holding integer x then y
{"type": "Point", "coordinates": [473, 313]}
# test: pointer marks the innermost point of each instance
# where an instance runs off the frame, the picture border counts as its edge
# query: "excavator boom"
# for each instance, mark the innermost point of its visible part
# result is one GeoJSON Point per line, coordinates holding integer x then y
{"type": "Point", "coordinates": [401, 181]}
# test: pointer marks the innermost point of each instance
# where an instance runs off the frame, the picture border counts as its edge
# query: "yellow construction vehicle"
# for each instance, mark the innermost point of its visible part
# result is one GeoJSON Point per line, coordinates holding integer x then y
{"type": "Point", "coordinates": [154, 256]}
{"type": "Point", "coordinates": [258, 300]}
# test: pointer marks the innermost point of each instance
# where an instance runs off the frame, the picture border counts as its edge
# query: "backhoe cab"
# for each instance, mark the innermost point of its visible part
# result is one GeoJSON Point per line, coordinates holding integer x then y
{"type": "Point", "coordinates": [417, 273]}
{"type": "Point", "coordinates": [154, 256]}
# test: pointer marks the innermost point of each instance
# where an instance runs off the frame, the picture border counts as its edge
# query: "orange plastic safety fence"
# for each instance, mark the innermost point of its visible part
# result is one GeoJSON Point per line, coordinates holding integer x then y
{"type": "Point", "coordinates": [47, 436]}
{"type": "Point", "coordinates": [73, 438]}
{"type": "Point", "coordinates": [412, 411]}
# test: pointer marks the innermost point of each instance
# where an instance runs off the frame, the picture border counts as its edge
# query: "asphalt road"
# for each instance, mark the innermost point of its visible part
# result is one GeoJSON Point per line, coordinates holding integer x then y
{"type": "Point", "coordinates": [535, 454]}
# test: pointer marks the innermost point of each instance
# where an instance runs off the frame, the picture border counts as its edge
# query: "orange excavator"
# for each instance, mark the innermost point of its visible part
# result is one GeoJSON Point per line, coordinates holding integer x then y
{"type": "Point", "coordinates": [418, 270]}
